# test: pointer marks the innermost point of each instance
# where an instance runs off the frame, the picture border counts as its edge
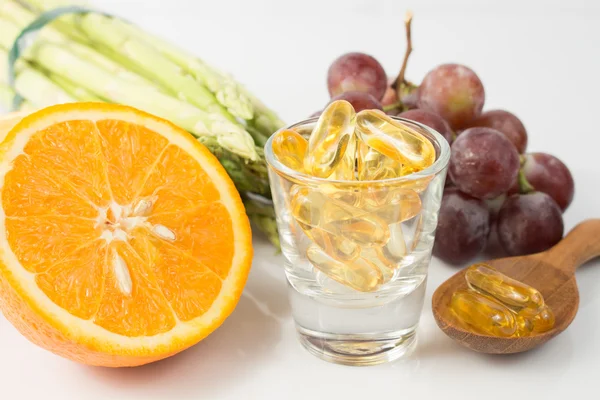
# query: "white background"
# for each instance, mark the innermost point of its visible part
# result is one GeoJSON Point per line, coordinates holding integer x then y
{"type": "Point", "coordinates": [538, 59]}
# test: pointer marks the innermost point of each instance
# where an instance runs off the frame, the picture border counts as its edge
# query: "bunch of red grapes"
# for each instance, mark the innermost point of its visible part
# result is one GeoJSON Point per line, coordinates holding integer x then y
{"type": "Point", "coordinates": [493, 185]}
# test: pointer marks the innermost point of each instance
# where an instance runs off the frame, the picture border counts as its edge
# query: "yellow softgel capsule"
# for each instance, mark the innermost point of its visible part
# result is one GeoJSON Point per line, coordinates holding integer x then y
{"type": "Point", "coordinates": [360, 274]}
{"type": "Point", "coordinates": [537, 320]}
{"type": "Point", "coordinates": [290, 149]}
{"type": "Point", "coordinates": [366, 230]}
{"type": "Point", "coordinates": [395, 250]}
{"type": "Point", "coordinates": [374, 166]}
{"type": "Point", "coordinates": [394, 205]}
{"type": "Point", "coordinates": [337, 247]}
{"type": "Point", "coordinates": [514, 294]}
{"type": "Point", "coordinates": [483, 314]}
{"type": "Point", "coordinates": [395, 140]}
{"type": "Point", "coordinates": [306, 205]}
{"type": "Point", "coordinates": [348, 195]}
{"type": "Point", "coordinates": [525, 325]}
{"type": "Point", "coordinates": [346, 168]}
{"type": "Point", "coordinates": [330, 138]}
{"type": "Point", "coordinates": [378, 258]}
{"type": "Point", "coordinates": [544, 320]}
{"type": "Point", "coordinates": [314, 208]}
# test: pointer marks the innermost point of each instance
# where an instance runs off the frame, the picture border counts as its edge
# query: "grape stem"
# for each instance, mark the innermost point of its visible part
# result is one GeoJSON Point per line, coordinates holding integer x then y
{"type": "Point", "coordinates": [524, 185]}
{"type": "Point", "coordinates": [392, 106]}
{"type": "Point", "coordinates": [407, 25]}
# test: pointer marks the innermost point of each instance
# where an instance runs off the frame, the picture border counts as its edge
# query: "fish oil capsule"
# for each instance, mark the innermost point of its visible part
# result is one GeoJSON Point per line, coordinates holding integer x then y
{"type": "Point", "coordinates": [400, 205]}
{"type": "Point", "coordinates": [394, 205]}
{"type": "Point", "coordinates": [535, 320]}
{"type": "Point", "coordinates": [395, 249]}
{"type": "Point", "coordinates": [516, 295]}
{"type": "Point", "coordinates": [365, 230]}
{"type": "Point", "coordinates": [290, 149]}
{"type": "Point", "coordinates": [373, 166]}
{"type": "Point", "coordinates": [315, 209]}
{"type": "Point", "coordinates": [360, 274]}
{"type": "Point", "coordinates": [346, 169]}
{"type": "Point", "coordinates": [345, 195]}
{"type": "Point", "coordinates": [482, 314]}
{"type": "Point", "coordinates": [395, 140]}
{"type": "Point", "coordinates": [337, 247]}
{"type": "Point", "coordinates": [544, 320]}
{"type": "Point", "coordinates": [330, 138]}
{"type": "Point", "coordinates": [525, 325]}
{"type": "Point", "coordinates": [385, 265]}
{"type": "Point", "coordinates": [306, 205]}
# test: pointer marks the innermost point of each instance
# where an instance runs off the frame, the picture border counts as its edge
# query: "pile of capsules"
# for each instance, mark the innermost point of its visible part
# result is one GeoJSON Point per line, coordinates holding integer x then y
{"type": "Point", "coordinates": [355, 233]}
{"type": "Point", "coordinates": [498, 305]}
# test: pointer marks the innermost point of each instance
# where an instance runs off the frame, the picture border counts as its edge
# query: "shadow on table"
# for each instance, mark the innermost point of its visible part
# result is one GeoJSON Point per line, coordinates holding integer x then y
{"type": "Point", "coordinates": [229, 355]}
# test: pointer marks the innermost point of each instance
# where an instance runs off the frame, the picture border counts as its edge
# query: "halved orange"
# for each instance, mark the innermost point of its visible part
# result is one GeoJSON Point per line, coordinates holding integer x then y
{"type": "Point", "coordinates": [122, 239]}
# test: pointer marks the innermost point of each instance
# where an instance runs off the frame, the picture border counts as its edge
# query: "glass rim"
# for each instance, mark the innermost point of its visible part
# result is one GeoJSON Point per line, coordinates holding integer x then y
{"type": "Point", "coordinates": [440, 163]}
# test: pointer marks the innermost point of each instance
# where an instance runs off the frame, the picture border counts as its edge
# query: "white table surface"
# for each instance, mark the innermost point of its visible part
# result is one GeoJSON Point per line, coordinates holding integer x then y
{"type": "Point", "coordinates": [538, 59]}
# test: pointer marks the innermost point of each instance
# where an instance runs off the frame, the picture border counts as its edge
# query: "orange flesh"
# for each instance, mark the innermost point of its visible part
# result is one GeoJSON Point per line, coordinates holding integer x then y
{"type": "Point", "coordinates": [57, 199]}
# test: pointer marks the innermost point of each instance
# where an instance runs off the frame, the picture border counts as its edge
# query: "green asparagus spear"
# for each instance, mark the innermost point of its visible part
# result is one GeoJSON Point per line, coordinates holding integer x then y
{"type": "Point", "coordinates": [22, 17]}
{"type": "Point", "coordinates": [263, 216]}
{"type": "Point", "coordinates": [78, 92]}
{"type": "Point", "coordinates": [33, 85]}
{"type": "Point", "coordinates": [105, 31]}
{"type": "Point", "coordinates": [248, 176]}
{"type": "Point", "coordinates": [61, 61]}
{"type": "Point", "coordinates": [238, 100]}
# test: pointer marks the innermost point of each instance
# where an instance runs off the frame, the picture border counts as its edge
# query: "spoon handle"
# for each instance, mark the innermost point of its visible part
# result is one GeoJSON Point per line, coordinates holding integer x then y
{"type": "Point", "coordinates": [581, 244]}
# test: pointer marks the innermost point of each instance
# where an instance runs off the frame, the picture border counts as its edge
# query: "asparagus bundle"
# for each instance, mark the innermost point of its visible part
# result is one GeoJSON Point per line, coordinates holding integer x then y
{"type": "Point", "coordinates": [93, 57]}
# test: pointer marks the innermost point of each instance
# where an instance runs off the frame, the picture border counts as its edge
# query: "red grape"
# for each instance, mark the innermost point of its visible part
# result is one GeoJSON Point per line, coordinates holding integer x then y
{"type": "Point", "coordinates": [357, 72]}
{"type": "Point", "coordinates": [463, 227]}
{"type": "Point", "coordinates": [548, 174]}
{"type": "Point", "coordinates": [514, 188]}
{"type": "Point", "coordinates": [483, 163]}
{"type": "Point", "coordinates": [454, 92]}
{"type": "Point", "coordinates": [529, 223]}
{"type": "Point", "coordinates": [505, 123]}
{"type": "Point", "coordinates": [359, 100]}
{"type": "Point", "coordinates": [430, 119]}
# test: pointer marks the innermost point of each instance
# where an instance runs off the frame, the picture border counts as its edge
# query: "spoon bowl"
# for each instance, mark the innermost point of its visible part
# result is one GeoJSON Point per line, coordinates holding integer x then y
{"type": "Point", "coordinates": [551, 272]}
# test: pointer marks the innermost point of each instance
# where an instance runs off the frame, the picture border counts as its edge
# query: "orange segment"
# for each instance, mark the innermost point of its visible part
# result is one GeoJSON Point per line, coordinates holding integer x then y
{"type": "Point", "coordinates": [175, 182]}
{"type": "Point", "coordinates": [42, 241]}
{"type": "Point", "coordinates": [203, 233]}
{"type": "Point", "coordinates": [72, 163]}
{"type": "Point", "coordinates": [123, 242]}
{"type": "Point", "coordinates": [178, 275]}
{"type": "Point", "coordinates": [30, 191]}
{"type": "Point", "coordinates": [75, 283]}
{"type": "Point", "coordinates": [130, 151]}
{"type": "Point", "coordinates": [139, 309]}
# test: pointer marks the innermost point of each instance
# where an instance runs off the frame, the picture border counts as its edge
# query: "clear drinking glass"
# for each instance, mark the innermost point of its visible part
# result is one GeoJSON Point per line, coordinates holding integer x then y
{"type": "Point", "coordinates": [375, 237]}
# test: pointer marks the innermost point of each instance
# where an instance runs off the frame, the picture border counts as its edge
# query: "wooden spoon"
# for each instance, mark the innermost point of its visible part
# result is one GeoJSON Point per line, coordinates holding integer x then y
{"type": "Point", "coordinates": [551, 272]}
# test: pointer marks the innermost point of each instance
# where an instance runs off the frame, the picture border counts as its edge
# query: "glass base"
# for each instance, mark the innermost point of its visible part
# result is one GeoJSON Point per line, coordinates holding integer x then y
{"type": "Point", "coordinates": [358, 350]}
